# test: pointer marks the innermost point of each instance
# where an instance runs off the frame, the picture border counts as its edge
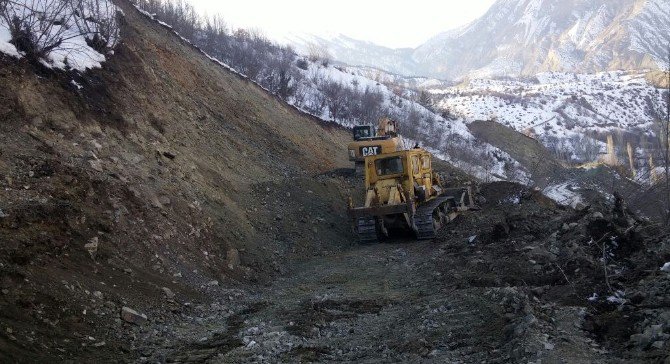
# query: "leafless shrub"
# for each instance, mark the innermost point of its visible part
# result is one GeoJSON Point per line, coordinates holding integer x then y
{"type": "Point", "coordinates": [97, 21]}
{"type": "Point", "coordinates": [37, 27]}
{"type": "Point", "coordinates": [318, 53]}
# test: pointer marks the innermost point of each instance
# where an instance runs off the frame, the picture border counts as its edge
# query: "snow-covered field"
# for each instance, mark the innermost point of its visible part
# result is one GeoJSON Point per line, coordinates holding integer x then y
{"type": "Point", "coordinates": [65, 31]}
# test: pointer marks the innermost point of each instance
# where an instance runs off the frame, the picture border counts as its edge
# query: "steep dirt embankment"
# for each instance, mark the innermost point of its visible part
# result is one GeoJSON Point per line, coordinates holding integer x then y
{"type": "Point", "coordinates": [528, 151]}
{"type": "Point", "coordinates": [592, 184]}
{"type": "Point", "coordinates": [161, 170]}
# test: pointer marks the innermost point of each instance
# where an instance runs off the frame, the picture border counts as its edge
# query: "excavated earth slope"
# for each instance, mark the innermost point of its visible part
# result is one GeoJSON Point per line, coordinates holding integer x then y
{"type": "Point", "coordinates": [161, 170]}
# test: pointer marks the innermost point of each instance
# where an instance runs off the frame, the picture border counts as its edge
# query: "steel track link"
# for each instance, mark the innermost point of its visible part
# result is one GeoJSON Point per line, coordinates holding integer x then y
{"type": "Point", "coordinates": [423, 218]}
{"type": "Point", "coordinates": [366, 229]}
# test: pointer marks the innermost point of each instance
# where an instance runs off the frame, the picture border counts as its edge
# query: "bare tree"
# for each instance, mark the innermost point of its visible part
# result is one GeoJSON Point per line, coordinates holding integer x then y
{"type": "Point", "coordinates": [370, 106]}
{"type": "Point", "coordinates": [318, 53]}
{"type": "Point", "coordinates": [335, 97]}
{"type": "Point", "coordinates": [586, 148]}
{"type": "Point", "coordinates": [282, 77]}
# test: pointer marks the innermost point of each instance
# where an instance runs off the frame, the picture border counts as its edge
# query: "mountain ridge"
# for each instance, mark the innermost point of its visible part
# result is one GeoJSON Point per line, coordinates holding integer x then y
{"type": "Point", "coordinates": [524, 37]}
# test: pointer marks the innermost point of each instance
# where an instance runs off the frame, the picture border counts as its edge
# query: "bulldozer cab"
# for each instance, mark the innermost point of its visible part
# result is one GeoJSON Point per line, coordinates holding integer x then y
{"type": "Point", "coordinates": [410, 169]}
{"type": "Point", "coordinates": [363, 132]}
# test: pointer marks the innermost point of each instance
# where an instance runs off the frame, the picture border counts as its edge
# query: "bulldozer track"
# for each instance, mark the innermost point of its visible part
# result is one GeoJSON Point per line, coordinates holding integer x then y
{"type": "Point", "coordinates": [423, 219]}
{"type": "Point", "coordinates": [366, 228]}
{"type": "Point", "coordinates": [361, 319]}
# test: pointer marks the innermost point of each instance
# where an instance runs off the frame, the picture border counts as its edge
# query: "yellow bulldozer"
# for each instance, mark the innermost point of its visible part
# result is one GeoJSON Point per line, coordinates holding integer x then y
{"type": "Point", "coordinates": [403, 191]}
{"type": "Point", "coordinates": [370, 140]}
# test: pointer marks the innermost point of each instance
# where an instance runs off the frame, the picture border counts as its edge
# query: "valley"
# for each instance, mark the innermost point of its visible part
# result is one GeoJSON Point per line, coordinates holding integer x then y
{"type": "Point", "coordinates": [178, 200]}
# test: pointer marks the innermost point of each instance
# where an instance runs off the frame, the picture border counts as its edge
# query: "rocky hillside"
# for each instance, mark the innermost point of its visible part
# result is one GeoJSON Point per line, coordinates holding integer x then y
{"type": "Point", "coordinates": [524, 37]}
{"type": "Point", "coordinates": [154, 179]}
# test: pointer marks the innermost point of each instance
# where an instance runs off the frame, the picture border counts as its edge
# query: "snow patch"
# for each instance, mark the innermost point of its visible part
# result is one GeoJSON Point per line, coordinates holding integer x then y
{"type": "Point", "coordinates": [563, 194]}
{"type": "Point", "coordinates": [6, 47]}
{"type": "Point", "coordinates": [617, 298]}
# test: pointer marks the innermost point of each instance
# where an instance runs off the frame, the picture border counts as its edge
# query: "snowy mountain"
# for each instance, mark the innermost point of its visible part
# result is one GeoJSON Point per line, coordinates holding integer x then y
{"type": "Point", "coordinates": [524, 37]}
{"type": "Point", "coordinates": [358, 53]}
{"type": "Point", "coordinates": [558, 103]}
{"type": "Point", "coordinates": [518, 37]}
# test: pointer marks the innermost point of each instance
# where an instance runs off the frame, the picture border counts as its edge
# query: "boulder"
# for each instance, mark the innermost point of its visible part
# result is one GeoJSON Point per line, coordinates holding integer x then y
{"type": "Point", "coordinates": [168, 293]}
{"type": "Point", "coordinates": [92, 246]}
{"type": "Point", "coordinates": [131, 316]}
{"type": "Point", "coordinates": [233, 258]}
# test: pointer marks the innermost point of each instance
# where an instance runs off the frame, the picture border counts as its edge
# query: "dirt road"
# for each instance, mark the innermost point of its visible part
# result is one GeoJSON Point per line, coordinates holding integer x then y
{"type": "Point", "coordinates": [400, 301]}
{"type": "Point", "coordinates": [373, 303]}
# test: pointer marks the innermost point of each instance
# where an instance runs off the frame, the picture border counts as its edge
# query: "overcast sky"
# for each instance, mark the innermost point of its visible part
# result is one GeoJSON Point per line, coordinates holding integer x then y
{"type": "Point", "coordinates": [392, 24]}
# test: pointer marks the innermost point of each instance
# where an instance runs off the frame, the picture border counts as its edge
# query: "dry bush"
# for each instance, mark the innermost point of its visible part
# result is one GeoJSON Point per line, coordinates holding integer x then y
{"type": "Point", "coordinates": [97, 20]}
{"type": "Point", "coordinates": [37, 27]}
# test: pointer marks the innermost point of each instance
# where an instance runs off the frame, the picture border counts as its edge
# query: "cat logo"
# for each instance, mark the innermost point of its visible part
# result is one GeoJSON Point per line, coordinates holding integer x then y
{"type": "Point", "coordinates": [368, 151]}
